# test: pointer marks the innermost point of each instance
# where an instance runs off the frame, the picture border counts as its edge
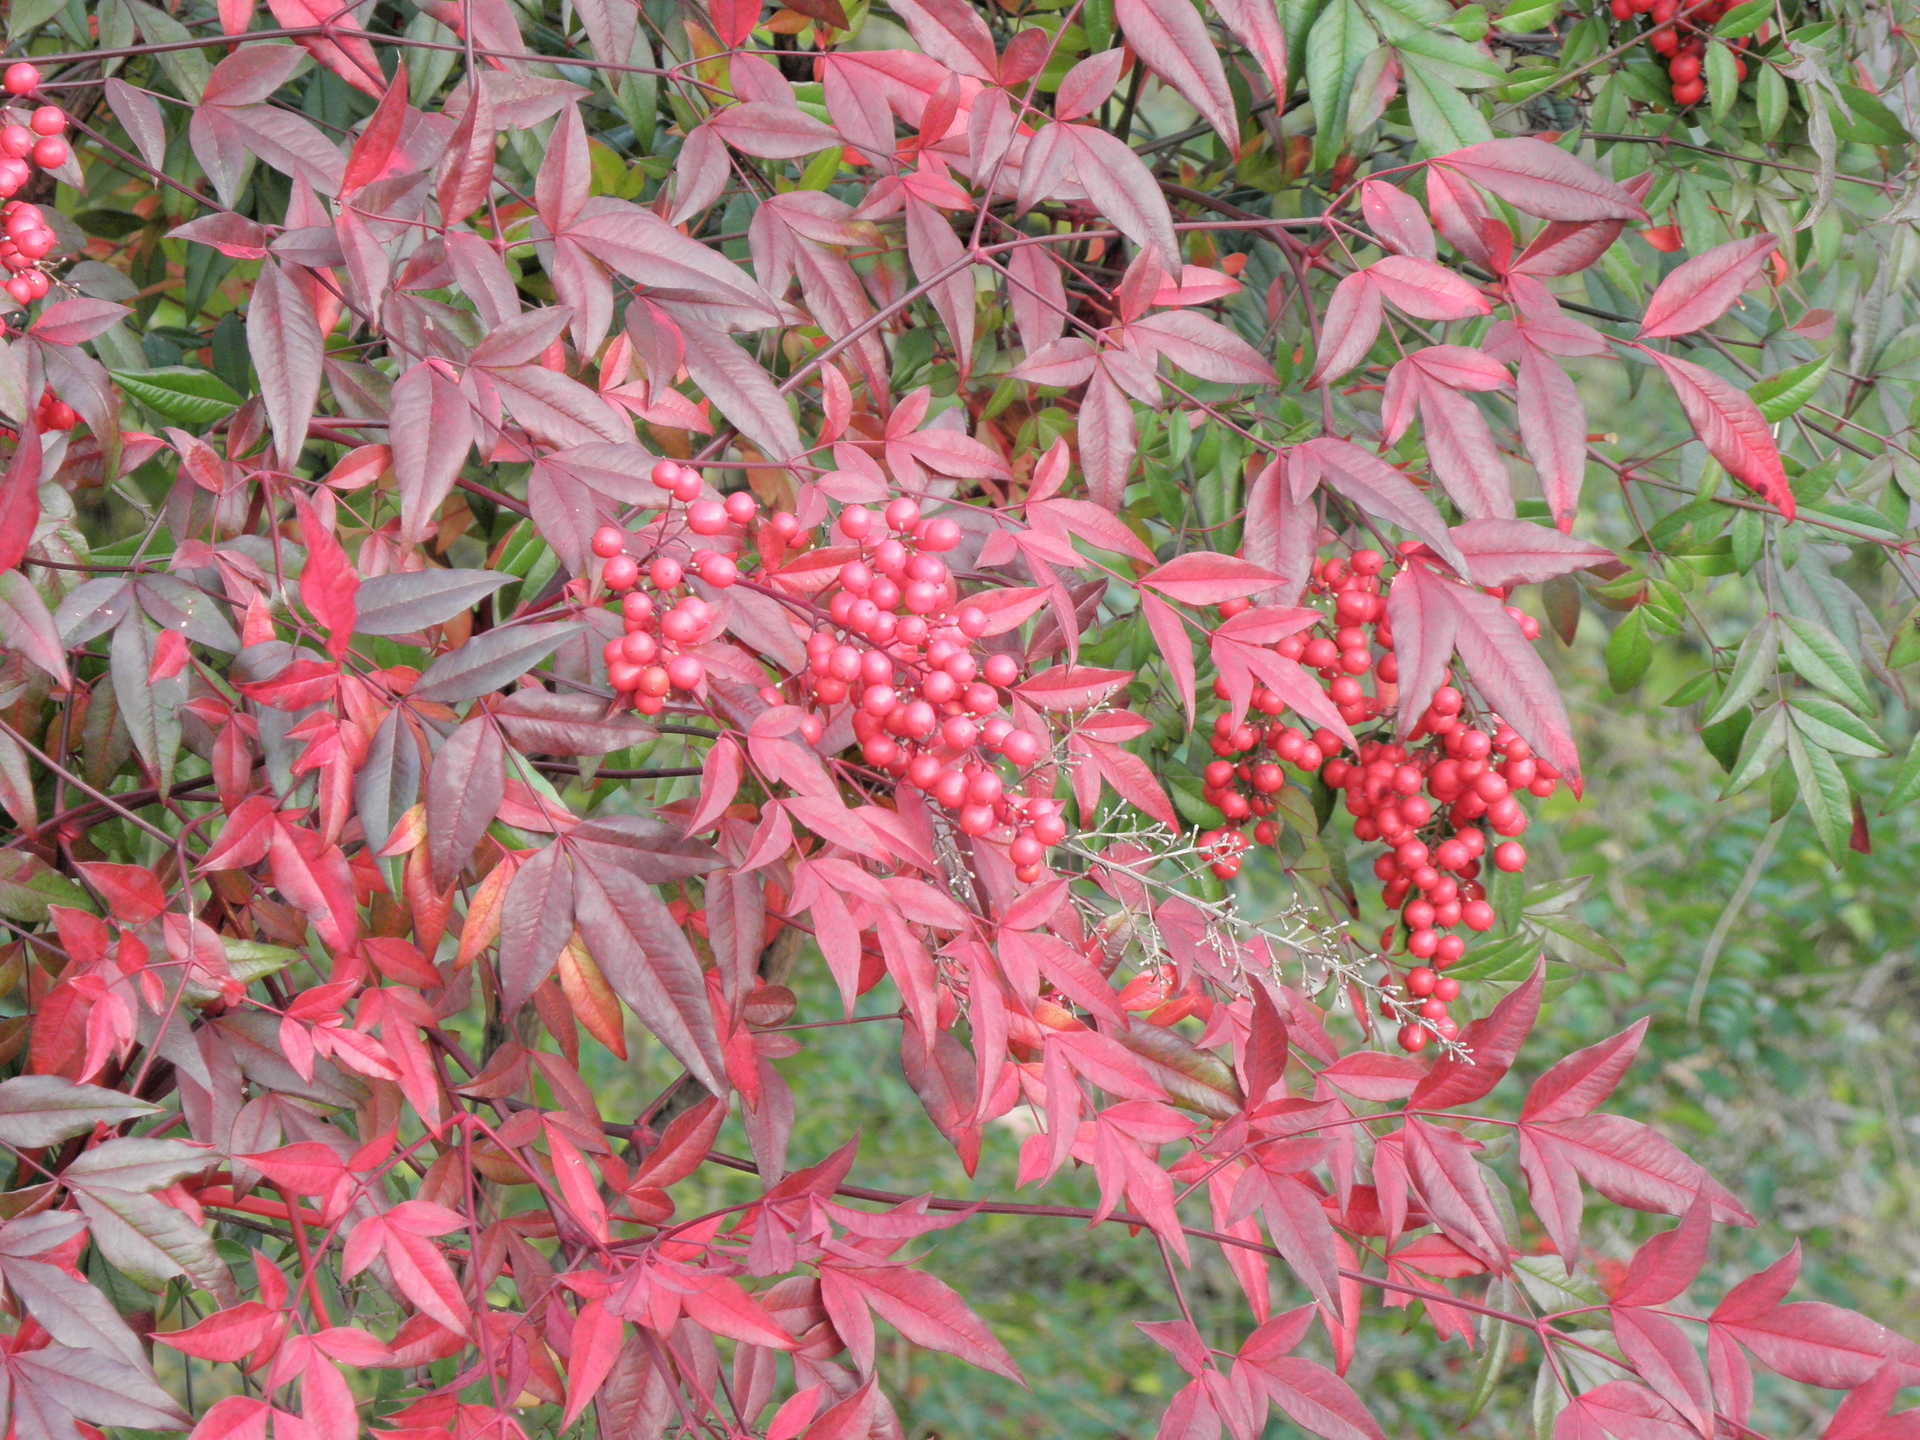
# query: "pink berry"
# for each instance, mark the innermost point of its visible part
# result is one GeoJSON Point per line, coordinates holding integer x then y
{"type": "Point", "coordinates": [48, 120]}
{"type": "Point", "coordinates": [666, 573]}
{"type": "Point", "coordinates": [620, 572]}
{"type": "Point", "coordinates": [741, 507]}
{"type": "Point", "coordinates": [608, 542]}
{"type": "Point", "coordinates": [51, 153]}
{"type": "Point", "coordinates": [18, 141]}
{"type": "Point", "coordinates": [22, 79]}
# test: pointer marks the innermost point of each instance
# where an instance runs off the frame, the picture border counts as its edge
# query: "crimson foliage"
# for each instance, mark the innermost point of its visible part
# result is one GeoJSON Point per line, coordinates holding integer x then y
{"type": "Point", "coordinates": [343, 711]}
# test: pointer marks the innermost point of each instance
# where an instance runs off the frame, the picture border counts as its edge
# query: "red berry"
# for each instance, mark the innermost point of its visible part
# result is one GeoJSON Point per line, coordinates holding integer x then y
{"type": "Point", "coordinates": [1421, 981]}
{"type": "Point", "coordinates": [1689, 92]}
{"type": "Point", "coordinates": [1683, 68]}
{"type": "Point", "coordinates": [51, 153]}
{"type": "Point", "coordinates": [22, 79]}
{"type": "Point", "coordinates": [48, 120]}
{"type": "Point", "coordinates": [1413, 1037]}
{"type": "Point", "coordinates": [1477, 916]}
{"type": "Point", "coordinates": [1509, 856]}
{"type": "Point", "coordinates": [620, 572]}
{"type": "Point", "coordinates": [608, 542]}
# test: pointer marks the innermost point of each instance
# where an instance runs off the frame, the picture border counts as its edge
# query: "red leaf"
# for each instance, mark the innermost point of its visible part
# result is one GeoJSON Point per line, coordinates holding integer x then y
{"type": "Point", "coordinates": [1664, 1266]}
{"type": "Point", "coordinates": [1667, 1361]}
{"type": "Point", "coordinates": [1699, 292]}
{"type": "Point", "coordinates": [287, 349]}
{"type": "Point", "coordinates": [1627, 1411]}
{"type": "Point", "coordinates": [1257, 26]}
{"type": "Point", "coordinates": [1122, 189]}
{"type": "Point", "coordinates": [1317, 1400]}
{"type": "Point", "coordinates": [1397, 220]}
{"type": "Point", "coordinates": [1553, 428]}
{"type": "Point", "coordinates": [1543, 180]}
{"type": "Point", "coordinates": [930, 1314]}
{"type": "Point", "coordinates": [1815, 1343]}
{"type": "Point", "coordinates": [1732, 428]}
{"type": "Point", "coordinates": [374, 148]}
{"type": "Point", "coordinates": [1509, 672]}
{"type": "Point", "coordinates": [1519, 552]}
{"type": "Point", "coordinates": [20, 499]}
{"type": "Point", "coordinates": [132, 892]}
{"type": "Point", "coordinates": [1426, 290]}
{"type": "Point", "coordinates": [1449, 1181]}
{"type": "Point", "coordinates": [733, 20]}
{"type": "Point", "coordinates": [1576, 1085]}
{"type": "Point", "coordinates": [1491, 1042]}
{"type": "Point", "coordinates": [1172, 39]}
{"type": "Point", "coordinates": [1376, 487]}
{"type": "Point", "coordinates": [1071, 687]}
{"type": "Point", "coordinates": [235, 1417]}
{"type": "Point", "coordinates": [720, 776]}
{"type": "Point", "coordinates": [1635, 1165]}
{"type": "Point", "coordinates": [226, 1335]}
{"type": "Point", "coordinates": [596, 1345]}
{"type": "Point", "coordinates": [1348, 328]}
{"type": "Point", "coordinates": [328, 584]}
{"type": "Point", "coordinates": [1200, 577]}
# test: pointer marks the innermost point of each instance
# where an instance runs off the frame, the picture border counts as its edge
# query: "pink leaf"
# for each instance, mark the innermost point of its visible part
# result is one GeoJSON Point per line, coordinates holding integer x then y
{"type": "Point", "coordinates": [930, 1314]}
{"type": "Point", "coordinates": [1176, 648]}
{"type": "Point", "coordinates": [1543, 180]}
{"type": "Point", "coordinates": [1492, 1043]}
{"type": "Point", "coordinates": [1171, 38]}
{"type": "Point", "coordinates": [1348, 329]}
{"type": "Point", "coordinates": [1664, 1266]}
{"type": "Point", "coordinates": [1703, 289]}
{"type": "Point", "coordinates": [1426, 290]}
{"type": "Point", "coordinates": [1581, 1081]}
{"type": "Point", "coordinates": [1397, 220]}
{"type": "Point", "coordinates": [1553, 428]}
{"type": "Point", "coordinates": [1732, 428]}
{"type": "Point", "coordinates": [1201, 577]}
{"type": "Point", "coordinates": [1501, 553]}
{"type": "Point", "coordinates": [1667, 1361]}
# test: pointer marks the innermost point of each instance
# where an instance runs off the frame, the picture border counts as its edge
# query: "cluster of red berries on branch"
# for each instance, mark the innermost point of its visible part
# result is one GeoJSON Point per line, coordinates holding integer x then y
{"type": "Point", "coordinates": [894, 653]}
{"type": "Point", "coordinates": [1680, 34]}
{"type": "Point", "coordinates": [27, 140]}
{"type": "Point", "coordinates": [652, 658]}
{"type": "Point", "coordinates": [1445, 801]}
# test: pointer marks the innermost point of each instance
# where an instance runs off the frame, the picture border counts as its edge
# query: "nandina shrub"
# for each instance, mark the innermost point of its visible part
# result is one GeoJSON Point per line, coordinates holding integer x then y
{"type": "Point", "coordinates": [525, 521]}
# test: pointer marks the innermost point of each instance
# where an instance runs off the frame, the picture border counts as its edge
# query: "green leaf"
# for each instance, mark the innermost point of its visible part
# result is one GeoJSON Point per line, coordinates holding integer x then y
{"type": "Point", "coordinates": [1770, 100]}
{"type": "Point", "coordinates": [1749, 538]}
{"type": "Point", "coordinates": [1743, 19]}
{"type": "Point", "coordinates": [1757, 662]}
{"type": "Point", "coordinates": [1906, 784]}
{"type": "Point", "coordinates": [1833, 727]}
{"type": "Point", "coordinates": [28, 886]}
{"type": "Point", "coordinates": [1779, 396]}
{"type": "Point", "coordinates": [1905, 648]}
{"type": "Point", "coordinates": [1817, 656]}
{"type": "Point", "coordinates": [1723, 81]}
{"type": "Point", "coordinates": [1629, 652]}
{"type": "Point", "coordinates": [1823, 790]}
{"type": "Point", "coordinates": [28, 16]}
{"type": "Point", "coordinates": [41, 1110]}
{"type": "Point", "coordinates": [1496, 1347]}
{"type": "Point", "coordinates": [1526, 16]}
{"type": "Point", "coordinates": [1758, 750]}
{"type": "Point", "coordinates": [1443, 117]}
{"type": "Point", "coordinates": [1339, 41]}
{"type": "Point", "coordinates": [180, 393]}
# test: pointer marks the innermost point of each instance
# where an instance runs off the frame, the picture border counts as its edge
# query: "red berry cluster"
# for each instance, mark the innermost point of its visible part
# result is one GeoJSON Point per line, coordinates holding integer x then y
{"type": "Point", "coordinates": [893, 641]}
{"type": "Point", "coordinates": [902, 647]}
{"type": "Point", "coordinates": [54, 413]}
{"type": "Point", "coordinates": [650, 659]}
{"type": "Point", "coordinates": [1680, 37]}
{"type": "Point", "coordinates": [1432, 800]}
{"type": "Point", "coordinates": [25, 240]}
